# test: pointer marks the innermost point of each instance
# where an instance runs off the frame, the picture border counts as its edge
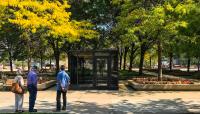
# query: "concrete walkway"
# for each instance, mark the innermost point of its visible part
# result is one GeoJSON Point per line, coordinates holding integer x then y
{"type": "Point", "coordinates": [112, 102]}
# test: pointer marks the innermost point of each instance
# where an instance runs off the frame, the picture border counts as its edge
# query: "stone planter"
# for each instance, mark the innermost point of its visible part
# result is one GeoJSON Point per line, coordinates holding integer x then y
{"type": "Point", "coordinates": [46, 85]}
{"type": "Point", "coordinates": [1, 86]}
{"type": "Point", "coordinates": [164, 87]}
{"type": "Point", "coordinates": [42, 86]}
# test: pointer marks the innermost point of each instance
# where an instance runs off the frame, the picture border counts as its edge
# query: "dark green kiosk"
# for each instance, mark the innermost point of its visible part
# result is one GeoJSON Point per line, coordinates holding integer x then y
{"type": "Point", "coordinates": [94, 69]}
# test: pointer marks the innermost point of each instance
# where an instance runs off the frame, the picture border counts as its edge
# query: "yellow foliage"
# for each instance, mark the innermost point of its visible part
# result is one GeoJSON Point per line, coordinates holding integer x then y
{"type": "Point", "coordinates": [52, 15]}
{"type": "Point", "coordinates": [183, 24]}
{"type": "Point", "coordinates": [180, 9]}
{"type": "Point", "coordinates": [146, 57]}
{"type": "Point", "coordinates": [169, 7]}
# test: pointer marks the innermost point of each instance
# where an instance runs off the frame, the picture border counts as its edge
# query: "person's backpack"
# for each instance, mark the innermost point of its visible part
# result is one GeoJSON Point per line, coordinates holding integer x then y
{"type": "Point", "coordinates": [16, 88]}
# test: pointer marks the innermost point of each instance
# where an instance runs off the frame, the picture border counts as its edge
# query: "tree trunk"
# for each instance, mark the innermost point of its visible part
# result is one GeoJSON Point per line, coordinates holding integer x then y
{"type": "Point", "coordinates": [142, 53]}
{"type": "Point", "coordinates": [188, 64]}
{"type": "Point", "coordinates": [170, 61]}
{"type": "Point", "coordinates": [11, 61]}
{"type": "Point", "coordinates": [159, 60]}
{"type": "Point", "coordinates": [29, 63]}
{"type": "Point", "coordinates": [50, 62]}
{"type": "Point", "coordinates": [120, 59]}
{"type": "Point", "coordinates": [132, 56]}
{"type": "Point", "coordinates": [125, 56]}
{"type": "Point", "coordinates": [56, 52]}
{"type": "Point", "coordinates": [57, 56]}
{"type": "Point", "coordinates": [29, 56]}
{"type": "Point", "coordinates": [41, 60]}
{"type": "Point", "coordinates": [198, 64]}
{"type": "Point", "coordinates": [23, 65]}
{"type": "Point", "coordinates": [150, 62]}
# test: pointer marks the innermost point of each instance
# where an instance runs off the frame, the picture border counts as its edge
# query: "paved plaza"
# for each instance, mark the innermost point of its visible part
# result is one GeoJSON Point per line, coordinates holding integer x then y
{"type": "Point", "coordinates": [112, 102]}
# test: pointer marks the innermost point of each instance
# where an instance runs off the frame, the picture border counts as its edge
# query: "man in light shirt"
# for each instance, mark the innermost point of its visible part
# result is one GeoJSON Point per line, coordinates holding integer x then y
{"type": "Point", "coordinates": [19, 98]}
{"type": "Point", "coordinates": [63, 81]}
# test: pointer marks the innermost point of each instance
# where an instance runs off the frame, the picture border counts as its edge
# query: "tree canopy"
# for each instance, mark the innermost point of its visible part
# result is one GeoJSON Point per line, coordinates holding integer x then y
{"type": "Point", "coordinates": [135, 27]}
{"type": "Point", "coordinates": [49, 20]}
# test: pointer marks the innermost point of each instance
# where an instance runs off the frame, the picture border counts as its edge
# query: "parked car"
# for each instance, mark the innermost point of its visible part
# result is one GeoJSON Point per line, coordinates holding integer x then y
{"type": "Point", "coordinates": [165, 64]}
{"type": "Point", "coordinates": [52, 65]}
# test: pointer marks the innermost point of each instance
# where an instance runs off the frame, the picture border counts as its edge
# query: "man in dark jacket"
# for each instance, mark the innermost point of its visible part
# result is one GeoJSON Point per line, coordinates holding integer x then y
{"type": "Point", "coordinates": [32, 88]}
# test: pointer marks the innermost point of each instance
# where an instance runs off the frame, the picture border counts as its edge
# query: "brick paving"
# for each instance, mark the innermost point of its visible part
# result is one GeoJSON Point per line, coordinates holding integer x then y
{"type": "Point", "coordinates": [111, 102]}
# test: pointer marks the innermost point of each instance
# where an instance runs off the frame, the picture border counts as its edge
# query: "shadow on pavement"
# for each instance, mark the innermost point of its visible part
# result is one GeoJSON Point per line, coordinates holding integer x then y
{"type": "Point", "coordinates": [164, 106]}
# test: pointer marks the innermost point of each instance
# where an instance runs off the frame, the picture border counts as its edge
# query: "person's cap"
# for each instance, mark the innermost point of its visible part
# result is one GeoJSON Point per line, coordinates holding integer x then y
{"type": "Point", "coordinates": [34, 67]}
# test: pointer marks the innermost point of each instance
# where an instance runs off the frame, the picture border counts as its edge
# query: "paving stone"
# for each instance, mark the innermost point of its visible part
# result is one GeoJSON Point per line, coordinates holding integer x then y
{"type": "Point", "coordinates": [111, 102]}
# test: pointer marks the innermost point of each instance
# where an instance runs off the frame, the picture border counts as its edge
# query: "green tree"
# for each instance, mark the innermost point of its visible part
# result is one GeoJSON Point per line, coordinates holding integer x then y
{"type": "Point", "coordinates": [191, 33]}
{"type": "Point", "coordinates": [10, 37]}
{"type": "Point", "coordinates": [101, 14]}
{"type": "Point", "coordinates": [153, 23]}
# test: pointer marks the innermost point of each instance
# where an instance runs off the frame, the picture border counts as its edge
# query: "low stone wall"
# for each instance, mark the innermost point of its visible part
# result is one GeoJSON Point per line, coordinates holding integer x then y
{"type": "Point", "coordinates": [46, 85]}
{"type": "Point", "coordinates": [164, 87]}
{"type": "Point", "coordinates": [1, 86]}
{"type": "Point", "coordinates": [42, 86]}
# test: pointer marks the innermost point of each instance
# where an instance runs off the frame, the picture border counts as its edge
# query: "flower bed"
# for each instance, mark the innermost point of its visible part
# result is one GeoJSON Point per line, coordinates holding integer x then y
{"type": "Point", "coordinates": [152, 84]}
{"type": "Point", "coordinates": [154, 80]}
{"type": "Point", "coordinates": [173, 72]}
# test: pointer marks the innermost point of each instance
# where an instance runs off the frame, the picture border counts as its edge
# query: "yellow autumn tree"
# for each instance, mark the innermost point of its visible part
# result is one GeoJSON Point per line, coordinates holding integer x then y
{"type": "Point", "coordinates": [50, 19]}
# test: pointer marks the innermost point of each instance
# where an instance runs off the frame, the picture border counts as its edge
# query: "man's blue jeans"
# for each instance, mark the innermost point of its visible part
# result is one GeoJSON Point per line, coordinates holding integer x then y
{"type": "Point", "coordinates": [32, 96]}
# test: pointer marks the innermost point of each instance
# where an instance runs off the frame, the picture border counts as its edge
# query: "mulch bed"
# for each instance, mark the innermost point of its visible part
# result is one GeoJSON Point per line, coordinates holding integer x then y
{"type": "Point", "coordinates": [154, 80]}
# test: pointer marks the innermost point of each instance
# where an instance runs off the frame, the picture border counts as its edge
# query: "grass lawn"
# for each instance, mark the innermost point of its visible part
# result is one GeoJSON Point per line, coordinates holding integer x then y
{"type": "Point", "coordinates": [179, 73]}
{"type": "Point", "coordinates": [125, 74]}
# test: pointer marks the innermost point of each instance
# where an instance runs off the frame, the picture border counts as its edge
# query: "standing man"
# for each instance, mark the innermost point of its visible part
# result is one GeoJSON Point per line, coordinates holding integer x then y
{"type": "Point", "coordinates": [32, 88]}
{"type": "Point", "coordinates": [63, 81]}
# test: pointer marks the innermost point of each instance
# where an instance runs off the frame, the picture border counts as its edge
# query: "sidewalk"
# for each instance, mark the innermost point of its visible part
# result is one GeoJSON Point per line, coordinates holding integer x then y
{"type": "Point", "coordinates": [112, 102]}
